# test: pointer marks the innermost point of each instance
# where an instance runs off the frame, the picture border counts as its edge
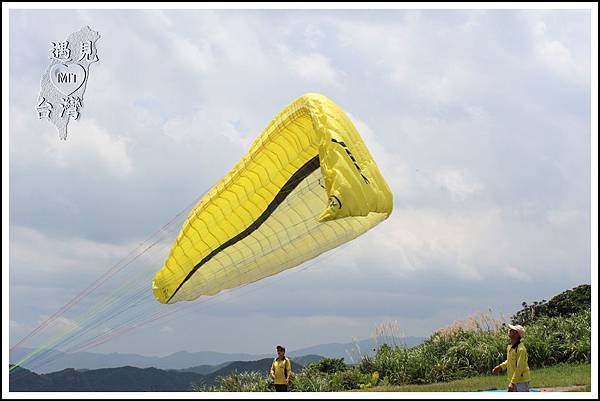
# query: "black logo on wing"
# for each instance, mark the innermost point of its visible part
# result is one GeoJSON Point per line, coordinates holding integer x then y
{"type": "Point", "coordinates": [341, 143]}
{"type": "Point", "coordinates": [334, 202]}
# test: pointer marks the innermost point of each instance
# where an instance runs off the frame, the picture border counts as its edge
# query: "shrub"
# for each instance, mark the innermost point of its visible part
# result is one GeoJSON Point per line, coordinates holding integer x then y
{"type": "Point", "coordinates": [348, 380]}
{"type": "Point", "coordinates": [309, 380]}
{"type": "Point", "coordinates": [241, 382]}
{"type": "Point", "coordinates": [330, 365]}
{"type": "Point", "coordinates": [565, 304]}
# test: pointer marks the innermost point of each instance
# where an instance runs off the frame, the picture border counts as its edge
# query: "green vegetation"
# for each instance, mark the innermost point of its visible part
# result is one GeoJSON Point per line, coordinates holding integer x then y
{"type": "Point", "coordinates": [456, 352]}
{"type": "Point", "coordinates": [328, 375]}
{"type": "Point", "coordinates": [566, 303]}
{"type": "Point", "coordinates": [245, 381]}
{"type": "Point", "coordinates": [465, 349]}
{"type": "Point", "coordinates": [562, 375]}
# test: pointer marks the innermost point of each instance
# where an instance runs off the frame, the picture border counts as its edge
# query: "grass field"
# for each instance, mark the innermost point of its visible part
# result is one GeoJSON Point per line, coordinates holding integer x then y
{"type": "Point", "coordinates": [562, 375]}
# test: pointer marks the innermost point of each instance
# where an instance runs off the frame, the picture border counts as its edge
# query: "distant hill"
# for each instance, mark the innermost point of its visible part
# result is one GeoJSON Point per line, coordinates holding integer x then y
{"type": "Point", "coordinates": [205, 362]}
{"type": "Point", "coordinates": [304, 360]}
{"type": "Point", "coordinates": [205, 369]}
{"type": "Point", "coordinates": [125, 378]}
{"type": "Point", "coordinates": [84, 377]}
{"type": "Point", "coordinates": [89, 360]}
{"type": "Point", "coordinates": [353, 350]}
{"type": "Point", "coordinates": [129, 378]}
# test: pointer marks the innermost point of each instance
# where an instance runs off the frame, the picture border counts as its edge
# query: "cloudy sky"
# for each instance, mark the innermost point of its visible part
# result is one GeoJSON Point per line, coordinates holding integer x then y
{"type": "Point", "coordinates": [479, 120]}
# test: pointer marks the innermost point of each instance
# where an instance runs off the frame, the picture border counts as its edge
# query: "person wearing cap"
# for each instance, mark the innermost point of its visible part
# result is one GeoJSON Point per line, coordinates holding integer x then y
{"type": "Point", "coordinates": [281, 370]}
{"type": "Point", "coordinates": [516, 361]}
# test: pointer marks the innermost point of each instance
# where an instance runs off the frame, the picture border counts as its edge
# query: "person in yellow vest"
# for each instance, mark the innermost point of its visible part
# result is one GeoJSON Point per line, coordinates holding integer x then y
{"type": "Point", "coordinates": [516, 361]}
{"type": "Point", "coordinates": [281, 370]}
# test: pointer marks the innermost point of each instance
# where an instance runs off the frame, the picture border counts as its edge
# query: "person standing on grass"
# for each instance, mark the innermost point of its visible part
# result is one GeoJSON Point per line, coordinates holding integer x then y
{"type": "Point", "coordinates": [516, 361]}
{"type": "Point", "coordinates": [281, 370]}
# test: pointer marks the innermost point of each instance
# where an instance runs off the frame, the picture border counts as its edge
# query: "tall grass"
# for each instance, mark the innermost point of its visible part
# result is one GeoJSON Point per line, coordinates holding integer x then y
{"type": "Point", "coordinates": [466, 348]}
{"type": "Point", "coordinates": [243, 382]}
{"type": "Point", "coordinates": [389, 333]}
{"type": "Point", "coordinates": [474, 346]}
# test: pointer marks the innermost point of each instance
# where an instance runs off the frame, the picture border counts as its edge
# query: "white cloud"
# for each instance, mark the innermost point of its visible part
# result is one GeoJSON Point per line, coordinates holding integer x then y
{"type": "Point", "coordinates": [198, 54]}
{"type": "Point", "coordinates": [209, 127]}
{"type": "Point", "coordinates": [426, 241]}
{"type": "Point", "coordinates": [457, 184]}
{"type": "Point", "coordinates": [557, 57]}
{"type": "Point", "coordinates": [18, 330]}
{"type": "Point", "coordinates": [60, 323]}
{"type": "Point", "coordinates": [554, 45]}
{"type": "Point", "coordinates": [562, 217]}
{"type": "Point", "coordinates": [517, 273]}
{"type": "Point", "coordinates": [312, 67]}
{"type": "Point", "coordinates": [313, 35]}
{"type": "Point", "coordinates": [539, 28]}
{"type": "Point", "coordinates": [42, 256]}
{"type": "Point", "coordinates": [88, 143]}
{"type": "Point", "coordinates": [408, 53]}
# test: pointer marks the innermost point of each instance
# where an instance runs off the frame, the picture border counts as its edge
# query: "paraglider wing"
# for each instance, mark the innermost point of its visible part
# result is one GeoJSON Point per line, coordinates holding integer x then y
{"type": "Point", "coordinates": [307, 184]}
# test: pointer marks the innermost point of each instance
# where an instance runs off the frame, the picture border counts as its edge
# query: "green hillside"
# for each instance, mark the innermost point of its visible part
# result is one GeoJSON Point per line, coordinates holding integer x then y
{"type": "Point", "coordinates": [129, 378]}
{"type": "Point", "coordinates": [559, 333]}
{"type": "Point", "coordinates": [126, 378]}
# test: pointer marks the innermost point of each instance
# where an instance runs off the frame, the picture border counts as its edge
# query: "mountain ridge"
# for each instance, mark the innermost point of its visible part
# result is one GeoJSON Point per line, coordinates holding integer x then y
{"type": "Point", "coordinates": [58, 361]}
{"type": "Point", "coordinates": [129, 378]}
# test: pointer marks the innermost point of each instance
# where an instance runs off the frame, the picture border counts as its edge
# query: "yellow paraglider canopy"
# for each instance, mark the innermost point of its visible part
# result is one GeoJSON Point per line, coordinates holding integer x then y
{"type": "Point", "coordinates": [307, 185]}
